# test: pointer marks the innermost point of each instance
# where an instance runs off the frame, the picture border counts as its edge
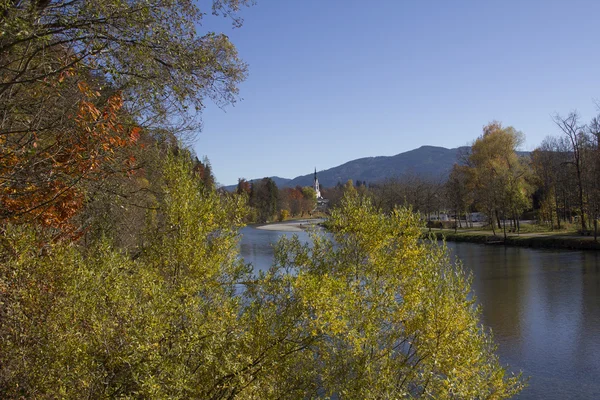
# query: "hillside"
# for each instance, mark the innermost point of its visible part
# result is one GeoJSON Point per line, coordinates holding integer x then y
{"type": "Point", "coordinates": [425, 161]}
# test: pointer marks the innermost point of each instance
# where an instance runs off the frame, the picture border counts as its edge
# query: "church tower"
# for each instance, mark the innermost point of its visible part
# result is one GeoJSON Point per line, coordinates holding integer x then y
{"type": "Point", "coordinates": [316, 186]}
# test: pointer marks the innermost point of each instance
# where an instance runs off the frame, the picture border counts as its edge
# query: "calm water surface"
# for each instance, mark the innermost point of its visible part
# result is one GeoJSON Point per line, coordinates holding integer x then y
{"type": "Point", "coordinates": [543, 306]}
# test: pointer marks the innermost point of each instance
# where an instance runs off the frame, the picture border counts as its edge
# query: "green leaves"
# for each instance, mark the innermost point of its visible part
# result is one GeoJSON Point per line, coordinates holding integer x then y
{"type": "Point", "coordinates": [377, 312]}
{"type": "Point", "coordinates": [389, 313]}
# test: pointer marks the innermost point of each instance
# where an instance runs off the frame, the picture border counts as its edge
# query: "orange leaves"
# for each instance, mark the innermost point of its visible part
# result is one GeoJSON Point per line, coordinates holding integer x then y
{"type": "Point", "coordinates": [105, 132]}
{"type": "Point", "coordinates": [134, 134]}
{"type": "Point", "coordinates": [42, 182]}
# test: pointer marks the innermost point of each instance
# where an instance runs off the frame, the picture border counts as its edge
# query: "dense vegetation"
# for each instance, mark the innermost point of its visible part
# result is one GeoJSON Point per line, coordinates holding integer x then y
{"type": "Point", "coordinates": [557, 184]}
{"type": "Point", "coordinates": [268, 202]}
{"type": "Point", "coordinates": [119, 267]}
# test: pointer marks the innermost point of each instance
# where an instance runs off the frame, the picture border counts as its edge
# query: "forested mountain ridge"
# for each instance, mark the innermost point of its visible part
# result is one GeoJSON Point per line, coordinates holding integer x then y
{"type": "Point", "coordinates": [430, 161]}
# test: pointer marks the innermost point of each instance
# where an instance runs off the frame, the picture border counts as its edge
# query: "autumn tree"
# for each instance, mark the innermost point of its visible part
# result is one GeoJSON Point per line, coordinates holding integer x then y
{"type": "Point", "coordinates": [309, 199]}
{"type": "Point", "coordinates": [497, 175]}
{"type": "Point", "coordinates": [109, 68]}
{"type": "Point", "coordinates": [42, 174]}
{"type": "Point", "coordinates": [291, 199]}
{"type": "Point", "coordinates": [334, 194]}
{"type": "Point", "coordinates": [94, 321]}
{"type": "Point", "coordinates": [380, 313]}
{"type": "Point", "coordinates": [243, 187]}
{"type": "Point", "coordinates": [203, 170]}
{"type": "Point", "coordinates": [423, 193]}
{"type": "Point", "coordinates": [387, 314]}
{"type": "Point", "coordinates": [149, 50]}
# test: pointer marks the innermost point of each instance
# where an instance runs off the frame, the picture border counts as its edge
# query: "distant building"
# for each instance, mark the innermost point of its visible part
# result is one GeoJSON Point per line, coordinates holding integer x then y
{"type": "Point", "coordinates": [477, 217]}
{"type": "Point", "coordinates": [441, 217]}
{"type": "Point", "coordinates": [316, 186]}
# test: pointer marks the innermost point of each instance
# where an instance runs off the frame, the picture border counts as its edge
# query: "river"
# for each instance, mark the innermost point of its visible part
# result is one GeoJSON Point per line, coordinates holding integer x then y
{"type": "Point", "coordinates": [542, 305]}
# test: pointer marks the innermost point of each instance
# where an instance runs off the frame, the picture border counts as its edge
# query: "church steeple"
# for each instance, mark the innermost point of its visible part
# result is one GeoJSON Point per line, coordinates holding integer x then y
{"type": "Point", "coordinates": [316, 185]}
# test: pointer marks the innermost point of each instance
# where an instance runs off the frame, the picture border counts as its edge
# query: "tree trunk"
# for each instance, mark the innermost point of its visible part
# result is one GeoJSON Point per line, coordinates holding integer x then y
{"type": "Point", "coordinates": [492, 223]}
{"type": "Point", "coordinates": [580, 190]}
{"type": "Point", "coordinates": [456, 219]}
{"type": "Point", "coordinates": [557, 210]}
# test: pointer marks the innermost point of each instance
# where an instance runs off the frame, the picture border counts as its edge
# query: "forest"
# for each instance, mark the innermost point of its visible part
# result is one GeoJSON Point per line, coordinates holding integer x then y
{"type": "Point", "coordinates": [556, 186]}
{"type": "Point", "coordinates": [120, 274]}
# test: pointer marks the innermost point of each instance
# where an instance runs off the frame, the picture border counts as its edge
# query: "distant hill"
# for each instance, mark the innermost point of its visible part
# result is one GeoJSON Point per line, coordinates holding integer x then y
{"type": "Point", "coordinates": [428, 161]}
{"type": "Point", "coordinates": [425, 161]}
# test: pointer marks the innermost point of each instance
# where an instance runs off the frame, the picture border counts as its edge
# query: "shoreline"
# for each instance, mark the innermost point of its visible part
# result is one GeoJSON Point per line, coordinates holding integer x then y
{"type": "Point", "coordinates": [538, 241]}
{"type": "Point", "coordinates": [558, 241]}
{"type": "Point", "coordinates": [290, 226]}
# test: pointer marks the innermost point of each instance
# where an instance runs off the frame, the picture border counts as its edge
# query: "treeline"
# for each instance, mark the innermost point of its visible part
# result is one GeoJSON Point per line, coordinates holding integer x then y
{"type": "Point", "coordinates": [567, 168]}
{"type": "Point", "coordinates": [557, 184]}
{"type": "Point", "coordinates": [120, 273]}
{"type": "Point", "coordinates": [269, 203]}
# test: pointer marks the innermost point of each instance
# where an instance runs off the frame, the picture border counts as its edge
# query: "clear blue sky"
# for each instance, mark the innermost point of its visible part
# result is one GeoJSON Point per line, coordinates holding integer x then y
{"type": "Point", "coordinates": [331, 80]}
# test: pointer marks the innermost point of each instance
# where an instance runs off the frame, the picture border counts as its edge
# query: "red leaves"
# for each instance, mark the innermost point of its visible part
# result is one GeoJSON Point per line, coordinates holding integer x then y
{"type": "Point", "coordinates": [134, 135]}
{"type": "Point", "coordinates": [42, 182]}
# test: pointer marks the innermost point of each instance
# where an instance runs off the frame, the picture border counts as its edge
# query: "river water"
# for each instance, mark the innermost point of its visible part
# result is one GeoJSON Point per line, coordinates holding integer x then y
{"type": "Point", "coordinates": [542, 305]}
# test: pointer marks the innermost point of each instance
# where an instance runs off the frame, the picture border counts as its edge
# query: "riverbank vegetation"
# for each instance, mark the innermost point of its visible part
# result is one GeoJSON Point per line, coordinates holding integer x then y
{"type": "Point", "coordinates": [493, 186]}
{"type": "Point", "coordinates": [269, 203]}
{"type": "Point", "coordinates": [120, 275]}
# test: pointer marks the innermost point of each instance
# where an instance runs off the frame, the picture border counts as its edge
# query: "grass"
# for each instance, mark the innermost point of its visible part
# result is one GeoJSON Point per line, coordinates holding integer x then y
{"type": "Point", "coordinates": [563, 239]}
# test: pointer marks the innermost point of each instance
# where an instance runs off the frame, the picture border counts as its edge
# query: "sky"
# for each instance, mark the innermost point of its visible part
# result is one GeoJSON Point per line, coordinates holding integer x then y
{"type": "Point", "coordinates": [331, 81]}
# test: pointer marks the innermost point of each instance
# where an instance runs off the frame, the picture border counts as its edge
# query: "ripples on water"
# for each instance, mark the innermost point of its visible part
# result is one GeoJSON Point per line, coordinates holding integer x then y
{"type": "Point", "coordinates": [543, 307]}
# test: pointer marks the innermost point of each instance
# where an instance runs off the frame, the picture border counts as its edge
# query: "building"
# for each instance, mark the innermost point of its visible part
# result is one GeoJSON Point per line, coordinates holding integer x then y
{"type": "Point", "coordinates": [316, 186]}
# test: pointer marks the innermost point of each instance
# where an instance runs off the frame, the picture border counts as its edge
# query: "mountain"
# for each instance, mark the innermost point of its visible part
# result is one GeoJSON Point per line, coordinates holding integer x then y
{"type": "Point", "coordinates": [425, 161]}
{"type": "Point", "coordinates": [429, 161]}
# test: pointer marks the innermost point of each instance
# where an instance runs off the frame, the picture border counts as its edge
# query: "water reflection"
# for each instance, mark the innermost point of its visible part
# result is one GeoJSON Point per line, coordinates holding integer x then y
{"type": "Point", "coordinates": [543, 307]}
{"type": "Point", "coordinates": [256, 245]}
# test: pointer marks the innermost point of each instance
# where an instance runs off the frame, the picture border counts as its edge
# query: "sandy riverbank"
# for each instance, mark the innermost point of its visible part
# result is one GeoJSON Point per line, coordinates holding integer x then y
{"type": "Point", "coordinates": [290, 226]}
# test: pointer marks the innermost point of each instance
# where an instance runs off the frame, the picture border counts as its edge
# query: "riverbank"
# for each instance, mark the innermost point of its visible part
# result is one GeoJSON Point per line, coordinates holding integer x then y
{"type": "Point", "coordinates": [539, 240]}
{"type": "Point", "coordinates": [534, 240]}
{"type": "Point", "coordinates": [291, 226]}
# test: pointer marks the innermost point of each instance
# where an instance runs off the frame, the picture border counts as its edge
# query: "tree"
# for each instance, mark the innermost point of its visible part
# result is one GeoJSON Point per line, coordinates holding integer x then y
{"type": "Point", "coordinates": [78, 80]}
{"type": "Point", "coordinates": [42, 175]}
{"type": "Point", "coordinates": [592, 170]}
{"type": "Point", "coordinates": [555, 178]}
{"type": "Point", "coordinates": [243, 187]}
{"type": "Point", "coordinates": [385, 313]}
{"type": "Point", "coordinates": [93, 321]}
{"type": "Point", "coordinates": [457, 193]}
{"type": "Point", "coordinates": [204, 171]}
{"type": "Point", "coordinates": [149, 50]}
{"type": "Point", "coordinates": [380, 313]}
{"type": "Point", "coordinates": [575, 133]}
{"type": "Point", "coordinates": [265, 199]}
{"type": "Point", "coordinates": [309, 199]}
{"type": "Point", "coordinates": [497, 175]}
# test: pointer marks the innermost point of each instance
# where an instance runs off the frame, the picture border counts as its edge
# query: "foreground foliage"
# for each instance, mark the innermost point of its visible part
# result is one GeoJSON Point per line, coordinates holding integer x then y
{"type": "Point", "coordinates": [378, 314]}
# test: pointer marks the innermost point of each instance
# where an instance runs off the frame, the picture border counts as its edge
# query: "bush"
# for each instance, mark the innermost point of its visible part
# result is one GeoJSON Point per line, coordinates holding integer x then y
{"type": "Point", "coordinates": [283, 215]}
{"type": "Point", "coordinates": [379, 313]}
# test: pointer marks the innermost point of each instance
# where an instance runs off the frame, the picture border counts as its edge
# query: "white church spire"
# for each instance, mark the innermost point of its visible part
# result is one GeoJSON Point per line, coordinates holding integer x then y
{"type": "Point", "coordinates": [316, 186]}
